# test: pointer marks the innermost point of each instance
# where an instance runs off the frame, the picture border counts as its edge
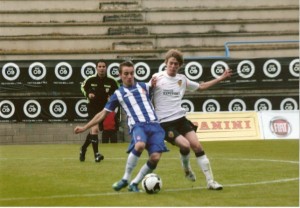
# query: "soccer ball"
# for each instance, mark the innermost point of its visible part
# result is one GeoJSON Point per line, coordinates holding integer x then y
{"type": "Point", "coordinates": [152, 183]}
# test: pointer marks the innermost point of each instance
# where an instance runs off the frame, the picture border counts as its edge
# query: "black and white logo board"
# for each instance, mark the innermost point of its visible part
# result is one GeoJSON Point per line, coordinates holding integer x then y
{"type": "Point", "coordinates": [88, 69]}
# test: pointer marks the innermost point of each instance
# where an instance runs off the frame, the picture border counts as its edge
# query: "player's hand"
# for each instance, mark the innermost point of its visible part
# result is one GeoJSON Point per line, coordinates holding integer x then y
{"type": "Point", "coordinates": [78, 129]}
{"type": "Point", "coordinates": [153, 81]}
{"type": "Point", "coordinates": [226, 74]}
{"type": "Point", "coordinates": [91, 96]}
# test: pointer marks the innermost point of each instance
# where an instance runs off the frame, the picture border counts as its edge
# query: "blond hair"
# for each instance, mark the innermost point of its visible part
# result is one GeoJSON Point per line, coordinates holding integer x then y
{"type": "Point", "coordinates": [175, 54]}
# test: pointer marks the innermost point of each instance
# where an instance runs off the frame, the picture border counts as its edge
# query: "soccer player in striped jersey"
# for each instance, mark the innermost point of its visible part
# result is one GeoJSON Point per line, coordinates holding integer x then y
{"type": "Point", "coordinates": [144, 127]}
{"type": "Point", "coordinates": [168, 92]}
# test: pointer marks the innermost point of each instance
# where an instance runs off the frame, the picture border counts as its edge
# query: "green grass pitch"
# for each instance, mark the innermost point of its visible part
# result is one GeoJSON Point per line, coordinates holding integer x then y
{"type": "Point", "coordinates": [253, 173]}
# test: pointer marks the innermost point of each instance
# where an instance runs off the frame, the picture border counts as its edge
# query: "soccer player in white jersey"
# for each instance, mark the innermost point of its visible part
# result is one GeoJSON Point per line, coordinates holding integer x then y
{"type": "Point", "coordinates": [144, 127]}
{"type": "Point", "coordinates": [167, 96]}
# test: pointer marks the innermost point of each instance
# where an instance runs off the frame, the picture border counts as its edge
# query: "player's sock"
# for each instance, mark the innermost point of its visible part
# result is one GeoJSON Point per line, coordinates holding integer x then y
{"type": "Point", "coordinates": [132, 161]}
{"type": "Point", "coordinates": [95, 141]}
{"type": "Point", "coordinates": [146, 168]}
{"type": "Point", "coordinates": [185, 160]}
{"type": "Point", "coordinates": [203, 162]}
{"type": "Point", "coordinates": [86, 143]}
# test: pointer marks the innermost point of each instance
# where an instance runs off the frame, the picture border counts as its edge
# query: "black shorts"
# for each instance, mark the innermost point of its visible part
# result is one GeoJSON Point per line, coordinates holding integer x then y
{"type": "Point", "coordinates": [177, 127]}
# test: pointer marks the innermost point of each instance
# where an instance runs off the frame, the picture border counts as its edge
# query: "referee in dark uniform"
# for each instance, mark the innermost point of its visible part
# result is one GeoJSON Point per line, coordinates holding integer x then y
{"type": "Point", "coordinates": [96, 89]}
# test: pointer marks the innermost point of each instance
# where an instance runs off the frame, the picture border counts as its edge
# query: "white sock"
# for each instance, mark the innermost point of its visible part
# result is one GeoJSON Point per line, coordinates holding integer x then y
{"type": "Point", "coordinates": [132, 161]}
{"type": "Point", "coordinates": [143, 171]}
{"type": "Point", "coordinates": [185, 162]}
{"type": "Point", "coordinates": [203, 162]}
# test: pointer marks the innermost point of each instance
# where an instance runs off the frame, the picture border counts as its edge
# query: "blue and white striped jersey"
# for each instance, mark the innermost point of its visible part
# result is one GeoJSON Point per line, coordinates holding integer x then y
{"type": "Point", "coordinates": [135, 100]}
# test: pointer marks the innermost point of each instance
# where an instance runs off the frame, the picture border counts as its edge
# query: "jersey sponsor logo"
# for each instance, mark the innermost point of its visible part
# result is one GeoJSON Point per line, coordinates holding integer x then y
{"type": "Point", "coordinates": [170, 134]}
{"type": "Point", "coordinates": [179, 83]}
{"type": "Point", "coordinates": [170, 93]}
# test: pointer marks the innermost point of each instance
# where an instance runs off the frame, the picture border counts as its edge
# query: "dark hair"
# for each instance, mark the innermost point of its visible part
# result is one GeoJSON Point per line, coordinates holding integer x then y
{"type": "Point", "coordinates": [100, 61]}
{"type": "Point", "coordinates": [125, 63]}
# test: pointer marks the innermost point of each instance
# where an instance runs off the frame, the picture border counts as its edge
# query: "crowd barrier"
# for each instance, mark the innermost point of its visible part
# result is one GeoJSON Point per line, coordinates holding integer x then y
{"type": "Point", "coordinates": [246, 125]}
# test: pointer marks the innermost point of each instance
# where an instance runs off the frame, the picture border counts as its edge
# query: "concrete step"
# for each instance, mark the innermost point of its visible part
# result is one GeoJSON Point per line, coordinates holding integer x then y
{"type": "Point", "coordinates": [197, 26]}
{"type": "Point", "coordinates": [152, 15]}
{"type": "Point", "coordinates": [21, 5]}
{"type": "Point", "coordinates": [254, 51]}
{"type": "Point", "coordinates": [73, 42]}
{"type": "Point", "coordinates": [8, 5]}
{"type": "Point", "coordinates": [214, 3]}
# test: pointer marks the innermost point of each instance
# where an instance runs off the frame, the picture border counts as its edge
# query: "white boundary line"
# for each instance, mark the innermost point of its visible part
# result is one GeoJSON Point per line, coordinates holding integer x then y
{"type": "Point", "coordinates": [165, 190]}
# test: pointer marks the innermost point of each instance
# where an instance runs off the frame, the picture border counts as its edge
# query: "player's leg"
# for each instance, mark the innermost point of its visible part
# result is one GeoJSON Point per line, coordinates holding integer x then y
{"type": "Point", "coordinates": [95, 143]}
{"type": "Point", "coordinates": [84, 147]}
{"type": "Point", "coordinates": [136, 147]}
{"type": "Point", "coordinates": [155, 147]}
{"type": "Point", "coordinates": [202, 161]}
{"type": "Point", "coordinates": [148, 167]}
{"type": "Point", "coordinates": [184, 149]}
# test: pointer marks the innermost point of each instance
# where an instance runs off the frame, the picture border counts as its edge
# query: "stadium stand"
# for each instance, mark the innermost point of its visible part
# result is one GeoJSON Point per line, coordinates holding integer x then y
{"type": "Point", "coordinates": [65, 29]}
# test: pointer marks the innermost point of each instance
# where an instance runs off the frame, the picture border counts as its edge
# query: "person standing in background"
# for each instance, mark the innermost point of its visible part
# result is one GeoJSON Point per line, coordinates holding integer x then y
{"type": "Point", "coordinates": [110, 128]}
{"type": "Point", "coordinates": [97, 89]}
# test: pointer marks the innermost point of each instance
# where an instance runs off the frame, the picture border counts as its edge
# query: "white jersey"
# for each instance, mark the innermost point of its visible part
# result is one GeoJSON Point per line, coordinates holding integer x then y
{"type": "Point", "coordinates": [168, 94]}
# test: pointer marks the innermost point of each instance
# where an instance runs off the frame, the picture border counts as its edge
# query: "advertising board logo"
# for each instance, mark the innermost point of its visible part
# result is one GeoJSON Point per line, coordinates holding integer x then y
{"type": "Point", "coordinates": [193, 70]}
{"type": "Point", "coordinates": [288, 104]}
{"type": "Point", "coordinates": [279, 126]}
{"type": "Point", "coordinates": [113, 71]}
{"type": "Point", "coordinates": [88, 69]}
{"type": "Point", "coordinates": [7, 109]}
{"type": "Point", "coordinates": [218, 68]}
{"type": "Point", "coordinates": [81, 108]}
{"type": "Point", "coordinates": [63, 71]}
{"type": "Point", "coordinates": [141, 71]}
{"type": "Point", "coordinates": [272, 68]}
{"type": "Point", "coordinates": [37, 71]}
{"type": "Point", "coordinates": [32, 108]}
{"type": "Point", "coordinates": [294, 68]}
{"type": "Point", "coordinates": [246, 69]}
{"type": "Point", "coordinates": [187, 105]}
{"type": "Point", "coordinates": [262, 104]}
{"type": "Point", "coordinates": [58, 108]}
{"type": "Point", "coordinates": [162, 67]}
{"type": "Point", "coordinates": [10, 71]}
{"type": "Point", "coordinates": [211, 105]}
{"type": "Point", "coordinates": [237, 105]}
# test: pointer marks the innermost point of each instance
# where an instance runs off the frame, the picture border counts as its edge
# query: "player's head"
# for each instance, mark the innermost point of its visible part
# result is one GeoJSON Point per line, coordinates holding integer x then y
{"type": "Point", "coordinates": [173, 61]}
{"type": "Point", "coordinates": [126, 72]}
{"type": "Point", "coordinates": [101, 68]}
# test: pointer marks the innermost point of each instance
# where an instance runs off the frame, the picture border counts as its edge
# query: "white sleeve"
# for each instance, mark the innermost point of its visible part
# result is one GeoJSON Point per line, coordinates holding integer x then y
{"type": "Point", "coordinates": [191, 85]}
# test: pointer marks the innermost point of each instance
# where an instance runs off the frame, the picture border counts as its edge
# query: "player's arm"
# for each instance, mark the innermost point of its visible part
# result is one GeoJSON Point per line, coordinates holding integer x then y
{"type": "Point", "coordinates": [206, 85]}
{"type": "Point", "coordinates": [99, 117]}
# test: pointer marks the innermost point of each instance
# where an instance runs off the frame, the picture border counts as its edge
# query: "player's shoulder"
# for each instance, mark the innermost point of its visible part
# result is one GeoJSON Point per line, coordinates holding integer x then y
{"type": "Point", "coordinates": [158, 74]}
